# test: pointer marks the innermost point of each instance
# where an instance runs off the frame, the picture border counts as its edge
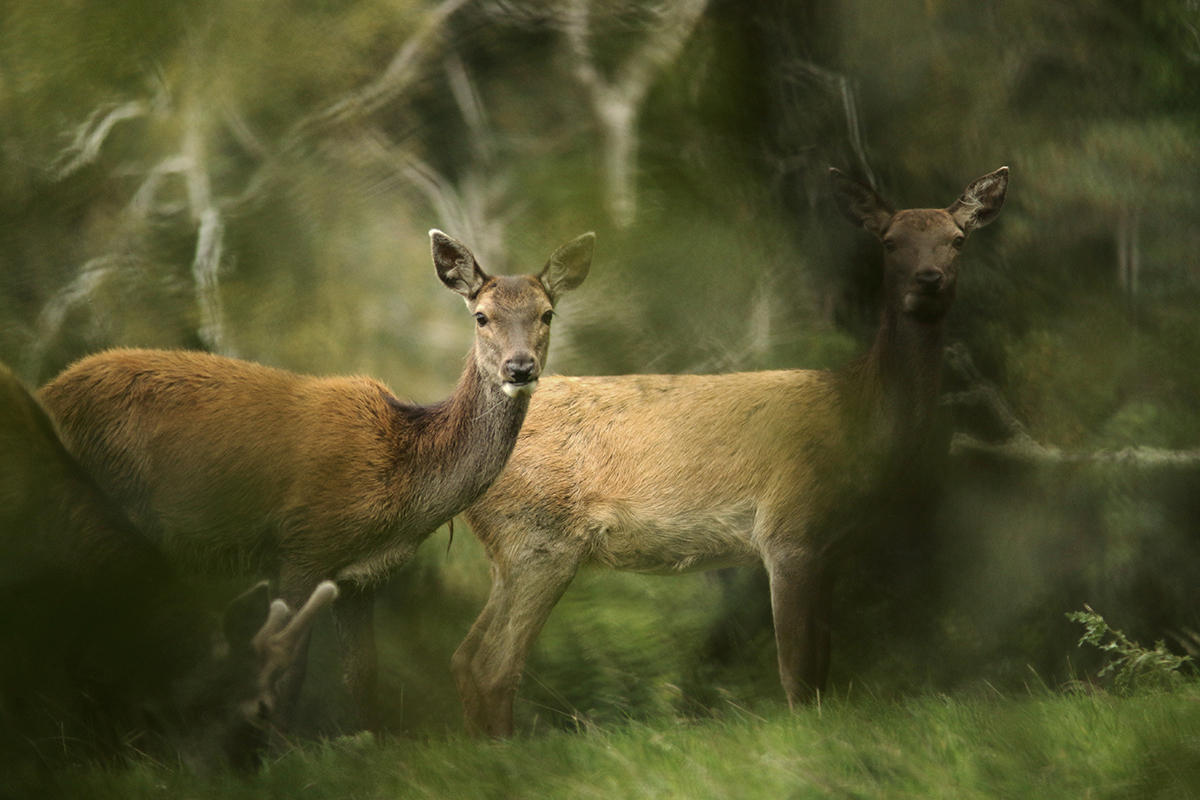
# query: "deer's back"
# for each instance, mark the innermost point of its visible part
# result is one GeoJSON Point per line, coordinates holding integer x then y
{"type": "Point", "coordinates": [663, 473]}
{"type": "Point", "coordinates": [228, 458]}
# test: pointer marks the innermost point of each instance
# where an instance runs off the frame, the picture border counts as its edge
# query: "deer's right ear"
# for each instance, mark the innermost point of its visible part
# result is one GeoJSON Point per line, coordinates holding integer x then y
{"type": "Point", "coordinates": [568, 267]}
{"type": "Point", "coordinates": [455, 264]}
{"type": "Point", "coordinates": [859, 203]}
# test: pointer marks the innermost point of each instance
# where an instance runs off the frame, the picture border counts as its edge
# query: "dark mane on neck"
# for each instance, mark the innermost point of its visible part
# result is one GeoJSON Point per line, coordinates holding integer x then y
{"type": "Point", "coordinates": [412, 413]}
{"type": "Point", "coordinates": [891, 391]}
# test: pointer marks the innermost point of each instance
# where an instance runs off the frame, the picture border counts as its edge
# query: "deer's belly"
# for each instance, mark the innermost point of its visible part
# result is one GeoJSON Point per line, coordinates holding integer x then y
{"type": "Point", "coordinates": [662, 542]}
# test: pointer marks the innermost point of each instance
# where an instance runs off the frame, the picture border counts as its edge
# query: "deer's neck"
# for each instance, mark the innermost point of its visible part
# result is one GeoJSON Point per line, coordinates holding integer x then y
{"type": "Point", "coordinates": [892, 391]}
{"type": "Point", "coordinates": [461, 444]}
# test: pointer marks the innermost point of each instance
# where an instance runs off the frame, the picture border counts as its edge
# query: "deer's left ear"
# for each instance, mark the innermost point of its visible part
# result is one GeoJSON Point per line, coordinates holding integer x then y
{"type": "Point", "coordinates": [982, 200]}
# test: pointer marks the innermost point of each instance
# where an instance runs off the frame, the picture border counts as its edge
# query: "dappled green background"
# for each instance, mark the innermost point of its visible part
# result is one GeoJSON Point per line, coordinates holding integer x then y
{"type": "Point", "coordinates": [256, 177]}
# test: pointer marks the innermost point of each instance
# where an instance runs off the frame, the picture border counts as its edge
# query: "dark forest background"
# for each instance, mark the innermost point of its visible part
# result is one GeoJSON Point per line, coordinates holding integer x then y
{"type": "Point", "coordinates": [256, 177]}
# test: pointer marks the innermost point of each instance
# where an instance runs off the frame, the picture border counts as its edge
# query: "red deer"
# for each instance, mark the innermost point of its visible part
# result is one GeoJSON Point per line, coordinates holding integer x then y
{"type": "Point", "coordinates": [311, 478]}
{"type": "Point", "coordinates": [673, 473]}
{"type": "Point", "coordinates": [102, 643]}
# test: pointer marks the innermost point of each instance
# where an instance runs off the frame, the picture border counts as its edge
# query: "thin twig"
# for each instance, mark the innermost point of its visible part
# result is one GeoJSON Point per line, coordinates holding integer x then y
{"type": "Point", "coordinates": [405, 68]}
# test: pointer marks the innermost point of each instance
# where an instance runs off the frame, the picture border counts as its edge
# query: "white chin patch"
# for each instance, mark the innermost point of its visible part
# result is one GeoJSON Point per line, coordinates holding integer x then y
{"type": "Point", "coordinates": [518, 389]}
{"type": "Point", "coordinates": [916, 301]}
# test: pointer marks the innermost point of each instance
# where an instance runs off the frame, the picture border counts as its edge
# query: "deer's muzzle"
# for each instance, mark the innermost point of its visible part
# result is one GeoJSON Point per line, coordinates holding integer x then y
{"type": "Point", "coordinates": [519, 375]}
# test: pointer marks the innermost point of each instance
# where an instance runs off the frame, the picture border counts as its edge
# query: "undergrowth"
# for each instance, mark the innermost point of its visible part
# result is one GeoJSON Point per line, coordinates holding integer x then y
{"type": "Point", "coordinates": [1131, 666]}
{"type": "Point", "coordinates": [1043, 744]}
{"type": "Point", "coordinates": [1141, 740]}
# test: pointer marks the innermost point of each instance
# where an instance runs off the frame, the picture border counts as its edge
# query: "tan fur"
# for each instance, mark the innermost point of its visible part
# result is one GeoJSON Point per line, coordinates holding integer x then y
{"type": "Point", "coordinates": [249, 468]}
{"type": "Point", "coordinates": [587, 439]}
{"type": "Point", "coordinates": [665, 474]}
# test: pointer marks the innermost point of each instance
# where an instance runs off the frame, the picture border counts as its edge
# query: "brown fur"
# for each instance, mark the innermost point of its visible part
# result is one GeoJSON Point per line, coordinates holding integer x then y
{"type": "Point", "coordinates": [104, 643]}
{"type": "Point", "coordinates": [254, 468]}
{"type": "Point", "coordinates": [666, 474]}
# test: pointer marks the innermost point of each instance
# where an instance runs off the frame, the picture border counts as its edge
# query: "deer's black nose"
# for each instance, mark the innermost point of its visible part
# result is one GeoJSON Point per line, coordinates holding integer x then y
{"type": "Point", "coordinates": [520, 369]}
{"type": "Point", "coordinates": [930, 280]}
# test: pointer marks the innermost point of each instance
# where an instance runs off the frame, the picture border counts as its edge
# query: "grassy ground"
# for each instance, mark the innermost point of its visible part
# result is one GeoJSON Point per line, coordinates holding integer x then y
{"type": "Point", "coordinates": [1060, 746]}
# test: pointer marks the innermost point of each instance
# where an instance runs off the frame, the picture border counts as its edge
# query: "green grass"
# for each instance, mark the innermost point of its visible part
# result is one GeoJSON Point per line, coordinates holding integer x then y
{"type": "Point", "coordinates": [1059, 746]}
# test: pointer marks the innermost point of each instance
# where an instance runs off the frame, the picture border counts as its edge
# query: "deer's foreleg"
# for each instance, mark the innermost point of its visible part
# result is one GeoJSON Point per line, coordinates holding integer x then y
{"type": "Point", "coordinates": [354, 620]}
{"type": "Point", "coordinates": [295, 588]}
{"type": "Point", "coordinates": [801, 602]}
{"type": "Point", "coordinates": [520, 603]}
{"type": "Point", "coordinates": [462, 664]}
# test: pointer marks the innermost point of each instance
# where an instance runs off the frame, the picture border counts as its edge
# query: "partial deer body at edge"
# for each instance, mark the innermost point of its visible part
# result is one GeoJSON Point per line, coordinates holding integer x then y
{"type": "Point", "coordinates": [105, 648]}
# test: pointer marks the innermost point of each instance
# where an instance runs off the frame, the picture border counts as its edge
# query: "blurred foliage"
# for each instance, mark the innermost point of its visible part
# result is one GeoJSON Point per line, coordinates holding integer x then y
{"type": "Point", "coordinates": [257, 177]}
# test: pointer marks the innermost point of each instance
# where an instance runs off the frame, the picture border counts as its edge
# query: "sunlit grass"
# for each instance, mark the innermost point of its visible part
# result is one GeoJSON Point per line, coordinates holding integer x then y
{"type": "Point", "coordinates": [1045, 745]}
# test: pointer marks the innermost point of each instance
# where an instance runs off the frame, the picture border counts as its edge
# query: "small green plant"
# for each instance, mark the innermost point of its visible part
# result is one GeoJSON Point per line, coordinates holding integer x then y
{"type": "Point", "coordinates": [1132, 666]}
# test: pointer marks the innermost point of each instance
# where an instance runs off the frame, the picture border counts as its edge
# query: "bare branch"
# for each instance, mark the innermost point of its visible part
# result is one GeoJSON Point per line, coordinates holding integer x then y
{"type": "Point", "coordinates": [210, 234]}
{"type": "Point", "coordinates": [617, 103]}
{"type": "Point", "coordinates": [847, 93]}
{"type": "Point", "coordinates": [90, 136]}
{"type": "Point", "coordinates": [1021, 447]}
{"type": "Point", "coordinates": [1129, 253]}
{"type": "Point", "coordinates": [981, 392]}
{"type": "Point", "coordinates": [467, 203]}
{"type": "Point", "coordinates": [470, 105]}
{"type": "Point", "coordinates": [464, 209]}
{"type": "Point", "coordinates": [144, 199]}
{"type": "Point", "coordinates": [404, 69]}
{"type": "Point", "coordinates": [1030, 451]}
{"type": "Point", "coordinates": [205, 270]}
{"type": "Point", "coordinates": [53, 315]}
{"type": "Point", "coordinates": [247, 138]}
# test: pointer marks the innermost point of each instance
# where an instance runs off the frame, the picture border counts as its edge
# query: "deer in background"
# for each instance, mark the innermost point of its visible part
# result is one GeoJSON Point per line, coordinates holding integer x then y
{"type": "Point", "coordinates": [674, 473]}
{"type": "Point", "coordinates": [102, 642]}
{"type": "Point", "coordinates": [238, 464]}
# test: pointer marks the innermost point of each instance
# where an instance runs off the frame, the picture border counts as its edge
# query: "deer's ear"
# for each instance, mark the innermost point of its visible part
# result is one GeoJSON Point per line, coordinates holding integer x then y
{"type": "Point", "coordinates": [859, 203]}
{"type": "Point", "coordinates": [245, 616]}
{"type": "Point", "coordinates": [982, 200]}
{"type": "Point", "coordinates": [296, 627]}
{"type": "Point", "coordinates": [568, 267]}
{"type": "Point", "coordinates": [456, 265]}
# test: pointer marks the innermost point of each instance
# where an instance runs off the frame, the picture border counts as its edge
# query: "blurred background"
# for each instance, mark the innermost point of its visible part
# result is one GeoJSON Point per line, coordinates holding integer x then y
{"type": "Point", "coordinates": [256, 178]}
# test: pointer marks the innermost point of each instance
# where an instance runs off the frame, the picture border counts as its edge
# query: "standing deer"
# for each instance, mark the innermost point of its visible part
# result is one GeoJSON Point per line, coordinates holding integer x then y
{"type": "Point", "coordinates": [673, 473]}
{"type": "Point", "coordinates": [101, 642]}
{"type": "Point", "coordinates": [315, 478]}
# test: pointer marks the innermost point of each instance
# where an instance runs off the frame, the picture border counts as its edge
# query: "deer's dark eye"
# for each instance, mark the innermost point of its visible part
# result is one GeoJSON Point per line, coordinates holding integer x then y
{"type": "Point", "coordinates": [958, 242]}
{"type": "Point", "coordinates": [481, 318]}
{"type": "Point", "coordinates": [547, 317]}
{"type": "Point", "coordinates": [889, 245]}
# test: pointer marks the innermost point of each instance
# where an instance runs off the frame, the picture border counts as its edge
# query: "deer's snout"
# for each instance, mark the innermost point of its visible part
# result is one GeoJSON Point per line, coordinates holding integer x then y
{"type": "Point", "coordinates": [520, 369]}
{"type": "Point", "coordinates": [929, 280]}
{"type": "Point", "coordinates": [520, 374]}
